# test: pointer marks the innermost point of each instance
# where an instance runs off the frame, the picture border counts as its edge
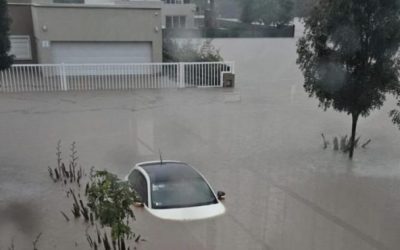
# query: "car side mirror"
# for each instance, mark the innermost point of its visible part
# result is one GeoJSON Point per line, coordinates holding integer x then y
{"type": "Point", "coordinates": [221, 195]}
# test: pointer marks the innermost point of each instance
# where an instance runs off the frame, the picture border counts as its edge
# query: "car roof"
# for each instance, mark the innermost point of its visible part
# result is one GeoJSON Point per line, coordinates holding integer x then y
{"type": "Point", "coordinates": [169, 171]}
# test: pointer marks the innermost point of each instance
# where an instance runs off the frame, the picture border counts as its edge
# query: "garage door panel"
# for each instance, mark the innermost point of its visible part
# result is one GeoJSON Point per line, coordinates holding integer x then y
{"type": "Point", "coordinates": [82, 52]}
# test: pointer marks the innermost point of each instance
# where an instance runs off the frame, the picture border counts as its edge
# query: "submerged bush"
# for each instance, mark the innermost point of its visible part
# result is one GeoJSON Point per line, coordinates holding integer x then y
{"type": "Point", "coordinates": [189, 51]}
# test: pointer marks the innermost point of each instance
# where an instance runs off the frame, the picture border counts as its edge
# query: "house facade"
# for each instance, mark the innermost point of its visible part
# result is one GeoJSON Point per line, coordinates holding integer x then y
{"type": "Point", "coordinates": [48, 32]}
{"type": "Point", "coordinates": [176, 14]}
{"type": "Point", "coordinates": [22, 37]}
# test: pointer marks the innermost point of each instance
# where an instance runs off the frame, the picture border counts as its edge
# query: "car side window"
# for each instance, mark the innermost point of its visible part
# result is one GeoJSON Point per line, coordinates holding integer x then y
{"type": "Point", "coordinates": [138, 182]}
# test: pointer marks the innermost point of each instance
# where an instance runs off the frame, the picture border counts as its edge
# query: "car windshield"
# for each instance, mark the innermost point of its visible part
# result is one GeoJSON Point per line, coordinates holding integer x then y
{"type": "Point", "coordinates": [177, 185]}
{"type": "Point", "coordinates": [182, 193]}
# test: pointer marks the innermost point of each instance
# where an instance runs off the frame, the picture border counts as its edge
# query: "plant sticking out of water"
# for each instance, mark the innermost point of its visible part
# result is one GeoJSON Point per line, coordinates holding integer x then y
{"type": "Point", "coordinates": [12, 246]}
{"type": "Point", "coordinates": [64, 215]}
{"type": "Point", "coordinates": [73, 162]}
{"type": "Point", "coordinates": [34, 243]}
{"type": "Point", "coordinates": [92, 243]}
{"type": "Point", "coordinates": [343, 143]}
{"type": "Point", "coordinates": [75, 206]}
{"type": "Point", "coordinates": [61, 174]}
{"type": "Point", "coordinates": [59, 159]}
{"type": "Point", "coordinates": [326, 143]}
{"type": "Point", "coordinates": [106, 201]}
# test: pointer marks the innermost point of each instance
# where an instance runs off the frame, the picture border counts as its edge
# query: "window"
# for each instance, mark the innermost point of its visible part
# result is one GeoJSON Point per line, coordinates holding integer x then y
{"type": "Point", "coordinates": [175, 22]}
{"type": "Point", "coordinates": [68, 1]}
{"type": "Point", "coordinates": [139, 184]}
{"type": "Point", "coordinates": [21, 47]}
{"type": "Point", "coordinates": [168, 21]}
{"type": "Point", "coordinates": [182, 21]}
{"type": "Point", "coordinates": [176, 1]}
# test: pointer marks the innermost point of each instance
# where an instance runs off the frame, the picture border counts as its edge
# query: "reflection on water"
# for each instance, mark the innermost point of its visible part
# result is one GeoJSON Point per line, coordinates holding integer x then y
{"type": "Point", "coordinates": [145, 136]}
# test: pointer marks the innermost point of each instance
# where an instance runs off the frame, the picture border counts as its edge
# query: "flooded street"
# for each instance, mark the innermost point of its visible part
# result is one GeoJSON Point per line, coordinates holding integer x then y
{"type": "Point", "coordinates": [259, 142]}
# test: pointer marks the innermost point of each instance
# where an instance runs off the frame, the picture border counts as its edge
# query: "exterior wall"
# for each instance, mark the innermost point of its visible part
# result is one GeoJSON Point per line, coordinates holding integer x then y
{"type": "Point", "coordinates": [187, 10]}
{"type": "Point", "coordinates": [21, 24]}
{"type": "Point", "coordinates": [98, 1]}
{"type": "Point", "coordinates": [139, 22]}
{"type": "Point", "coordinates": [18, 1]}
{"type": "Point", "coordinates": [183, 9]}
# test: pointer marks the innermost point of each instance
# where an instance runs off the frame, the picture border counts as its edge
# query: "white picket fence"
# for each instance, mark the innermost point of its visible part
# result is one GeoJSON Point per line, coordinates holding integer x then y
{"type": "Point", "coordinates": [78, 77]}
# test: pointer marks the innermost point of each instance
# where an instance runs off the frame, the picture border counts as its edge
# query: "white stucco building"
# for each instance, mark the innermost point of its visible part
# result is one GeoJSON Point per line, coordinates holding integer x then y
{"type": "Point", "coordinates": [176, 14]}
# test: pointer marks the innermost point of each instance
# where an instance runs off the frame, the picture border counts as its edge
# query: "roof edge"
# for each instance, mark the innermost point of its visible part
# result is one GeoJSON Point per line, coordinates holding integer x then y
{"type": "Point", "coordinates": [130, 5]}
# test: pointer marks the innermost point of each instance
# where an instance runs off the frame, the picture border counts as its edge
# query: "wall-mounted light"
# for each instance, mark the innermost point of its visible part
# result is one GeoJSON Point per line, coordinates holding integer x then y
{"type": "Point", "coordinates": [156, 14]}
{"type": "Point", "coordinates": [44, 28]}
{"type": "Point", "coordinates": [156, 29]}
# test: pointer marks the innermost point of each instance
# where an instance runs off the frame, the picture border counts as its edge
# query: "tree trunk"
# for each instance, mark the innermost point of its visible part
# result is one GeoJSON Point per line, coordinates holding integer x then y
{"type": "Point", "coordinates": [353, 134]}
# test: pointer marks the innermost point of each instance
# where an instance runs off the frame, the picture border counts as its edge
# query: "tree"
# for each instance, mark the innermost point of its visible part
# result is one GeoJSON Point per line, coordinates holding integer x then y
{"type": "Point", "coordinates": [190, 51]}
{"type": "Point", "coordinates": [5, 59]}
{"type": "Point", "coordinates": [302, 8]}
{"type": "Point", "coordinates": [210, 16]}
{"type": "Point", "coordinates": [395, 114]}
{"type": "Point", "coordinates": [247, 15]}
{"type": "Point", "coordinates": [268, 12]}
{"type": "Point", "coordinates": [348, 55]}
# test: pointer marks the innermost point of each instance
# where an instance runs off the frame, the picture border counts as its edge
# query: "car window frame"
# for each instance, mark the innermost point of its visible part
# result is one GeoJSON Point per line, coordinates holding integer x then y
{"type": "Point", "coordinates": [146, 196]}
{"type": "Point", "coordinates": [150, 183]}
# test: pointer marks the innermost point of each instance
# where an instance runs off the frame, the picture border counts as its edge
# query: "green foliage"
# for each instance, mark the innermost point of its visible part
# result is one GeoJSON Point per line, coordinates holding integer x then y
{"type": "Point", "coordinates": [5, 59]}
{"type": "Point", "coordinates": [268, 12]}
{"type": "Point", "coordinates": [395, 115]}
{"type": "Point", "coordinates": [190, 52]}
{"type": "Point", "coordinates": [348, 55]}
{"type": "Point", "coordinates": [110, 199]}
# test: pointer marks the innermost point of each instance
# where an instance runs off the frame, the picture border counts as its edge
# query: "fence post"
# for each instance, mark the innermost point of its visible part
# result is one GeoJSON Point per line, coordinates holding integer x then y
{"type": "Point", "coordinates": [63, 76]}
{"type": "Point", "coordinates": [181, 75]}
{"type": "Point", "coordinates": [2, 82]}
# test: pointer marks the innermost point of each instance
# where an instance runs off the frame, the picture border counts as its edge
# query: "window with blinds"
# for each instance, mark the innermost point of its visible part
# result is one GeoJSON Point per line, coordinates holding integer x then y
{"type": "Point", "coordinates": [21, 47]}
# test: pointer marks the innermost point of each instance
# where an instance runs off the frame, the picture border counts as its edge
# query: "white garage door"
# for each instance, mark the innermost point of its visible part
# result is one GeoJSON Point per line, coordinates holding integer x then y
{"type": "Point", "coordinates": [101, 52]}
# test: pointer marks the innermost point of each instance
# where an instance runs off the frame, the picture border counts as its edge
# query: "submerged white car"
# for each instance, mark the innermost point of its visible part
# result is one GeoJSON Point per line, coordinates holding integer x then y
{"type": "Point", "coordinates": [174, 190]}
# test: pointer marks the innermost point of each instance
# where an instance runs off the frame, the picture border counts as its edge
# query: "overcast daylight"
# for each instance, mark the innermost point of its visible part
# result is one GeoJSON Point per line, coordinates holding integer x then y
{"type": "Point", "coordinates": [199, 124]}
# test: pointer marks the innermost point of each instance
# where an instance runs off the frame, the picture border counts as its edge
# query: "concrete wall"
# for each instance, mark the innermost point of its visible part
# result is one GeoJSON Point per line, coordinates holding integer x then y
{"type": "Point", "coordinates": [187, 10]}
{"type": "Point", "coordinates": [21, 24]}
{"type": "Point", "coordinates": [139, 22]}
{"type": "Point", "coordinates": [18, 1]}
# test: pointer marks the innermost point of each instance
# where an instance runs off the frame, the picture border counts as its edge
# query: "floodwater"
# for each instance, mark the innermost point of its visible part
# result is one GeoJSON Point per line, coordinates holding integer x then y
{"type": "Point", "coordinates": [259, 142]}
